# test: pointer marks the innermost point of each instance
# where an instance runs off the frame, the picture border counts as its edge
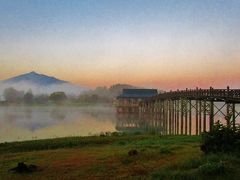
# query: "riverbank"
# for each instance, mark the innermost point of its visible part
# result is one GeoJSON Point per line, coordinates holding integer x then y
{"type": "Point", "coordinates": [117, 156]}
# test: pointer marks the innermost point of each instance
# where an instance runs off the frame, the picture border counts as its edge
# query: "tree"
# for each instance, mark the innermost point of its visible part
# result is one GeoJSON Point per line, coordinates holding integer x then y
{"type": "Point", "coordinates": [28, 97]}
{"type": "Point", "coordinates": [58, 97]}
{"type": "Point", "coordinates": [12, 95]}
{"type": "Point", "coordinates": [41, 99]}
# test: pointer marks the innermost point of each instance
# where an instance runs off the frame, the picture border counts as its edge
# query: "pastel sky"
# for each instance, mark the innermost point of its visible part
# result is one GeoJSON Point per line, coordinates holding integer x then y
{"type": "Point", "coordinates": [167, 44]}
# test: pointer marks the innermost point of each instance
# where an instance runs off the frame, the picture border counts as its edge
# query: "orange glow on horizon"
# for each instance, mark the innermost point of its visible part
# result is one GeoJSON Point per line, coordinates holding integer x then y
{"type": "Point", "coordinates": [162, 76]}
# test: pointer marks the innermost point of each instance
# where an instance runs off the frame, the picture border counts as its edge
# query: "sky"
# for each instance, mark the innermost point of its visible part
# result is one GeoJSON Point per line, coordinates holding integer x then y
{"type": "Point", "coordinates": [165, 44]}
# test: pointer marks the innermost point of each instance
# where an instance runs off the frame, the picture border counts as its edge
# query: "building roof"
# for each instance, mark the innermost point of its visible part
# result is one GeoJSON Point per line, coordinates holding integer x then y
{"type": "Point", "coordinates": [138, 93]}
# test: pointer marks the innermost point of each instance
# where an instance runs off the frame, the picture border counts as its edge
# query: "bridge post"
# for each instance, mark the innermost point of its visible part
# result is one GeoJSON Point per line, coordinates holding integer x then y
{"type": "Point", "coordinates": [211, 116]}
{"type": "Point", "coordinates": [186, 117]}
{"type": "Point", "coordinates": [196, 117]}
{"type": "Point", "coordinates": [228, 109]}
{"type": "Point", "coordinates": [162, 113]}
{"type": "Point", "coordinates": [169, 117]}
{"type": "Point", "coordinates": [167, 123]}
{"type": "Point", "coordinates": [200, 117]}
{"type": "Point", "coordinates": [204, 115]}
{"type": "Point", "coordinates": [182, 117]}
{"type": "Point", "coordinates": [165, 115]}
{"type": "Point", "coordinates": [233, 116]}
{"type": "Point", "coordinates": [173, 116]}
{"type": "Point", "coordinates": [190, 117]}
{"type": "Point", "coordinates": [177, 116]}
{"type": "Point", "coordinates": [228, 113]}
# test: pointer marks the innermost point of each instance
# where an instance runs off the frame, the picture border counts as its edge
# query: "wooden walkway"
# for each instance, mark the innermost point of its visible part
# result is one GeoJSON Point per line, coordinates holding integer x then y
{"type": "Point", "coordinates": [176, 110]}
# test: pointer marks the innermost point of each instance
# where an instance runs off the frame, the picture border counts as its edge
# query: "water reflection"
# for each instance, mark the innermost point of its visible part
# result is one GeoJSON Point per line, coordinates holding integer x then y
{"type": "Point", "coordinates": [25, 123]}
{"type": "Point", "coordinates": [136, 123]}
{"type": "Point", "coordinates": [155, 124]}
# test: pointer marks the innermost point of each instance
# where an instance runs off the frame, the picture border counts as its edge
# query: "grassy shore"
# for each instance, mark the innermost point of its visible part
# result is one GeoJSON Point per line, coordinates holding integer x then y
{"type": "Point", "coordinates": [158, 157]}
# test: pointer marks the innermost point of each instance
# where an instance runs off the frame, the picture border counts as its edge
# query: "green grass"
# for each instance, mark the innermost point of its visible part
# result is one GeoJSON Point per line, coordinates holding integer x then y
{"type": "Point", "coordinates": [213, 166]}
{"type": "Point", "coordinates": [115, 139]}
{"type": "Point", "coordinates": [158, 157]}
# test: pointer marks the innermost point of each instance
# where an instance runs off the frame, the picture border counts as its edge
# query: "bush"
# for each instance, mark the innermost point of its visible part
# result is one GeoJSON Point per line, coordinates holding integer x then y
{"type": "Point", "coordinates": [212, 168]}
{"type": "Point", "coordinates": [222, 138]}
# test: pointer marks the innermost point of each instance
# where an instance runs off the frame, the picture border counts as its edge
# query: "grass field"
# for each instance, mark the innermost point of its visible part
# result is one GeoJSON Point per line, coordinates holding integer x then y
{"type": "Point", "coordinates": [158, 157]}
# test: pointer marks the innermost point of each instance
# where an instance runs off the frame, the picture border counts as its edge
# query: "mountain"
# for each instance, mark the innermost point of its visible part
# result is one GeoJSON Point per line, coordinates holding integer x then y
{"type": "Point", "coordinates": [40, 84]}
{"type": "Point", "coordinates": [35, 78]}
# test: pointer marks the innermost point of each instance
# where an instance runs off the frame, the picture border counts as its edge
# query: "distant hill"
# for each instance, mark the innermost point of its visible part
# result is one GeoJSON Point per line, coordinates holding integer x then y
{"type": "Point", "coordinates": [40, 84]}
{"type": "Point", "coordinates": [111, 92]}
{"type": "Point", "coordinates": [35, 78]}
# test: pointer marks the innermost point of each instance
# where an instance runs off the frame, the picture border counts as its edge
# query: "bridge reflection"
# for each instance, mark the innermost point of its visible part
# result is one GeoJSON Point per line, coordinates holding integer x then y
{"type": "Point", "coordinates": [155, 123]}
{"type": "Point", "coordinates": [132, 122]}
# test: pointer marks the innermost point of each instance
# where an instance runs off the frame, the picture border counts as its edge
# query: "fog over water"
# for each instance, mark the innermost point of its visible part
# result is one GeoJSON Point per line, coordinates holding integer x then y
{"type": "Point", "coordinates": [43, 89]}
{"type": "Point", "coordinates": [19, 123]}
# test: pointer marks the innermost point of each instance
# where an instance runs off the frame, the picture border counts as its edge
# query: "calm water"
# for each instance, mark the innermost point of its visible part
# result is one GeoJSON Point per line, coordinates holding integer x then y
{"type": "Point", "coordinates": [25, 123]}
{"type": "Point", "coordinates": [18, 123]}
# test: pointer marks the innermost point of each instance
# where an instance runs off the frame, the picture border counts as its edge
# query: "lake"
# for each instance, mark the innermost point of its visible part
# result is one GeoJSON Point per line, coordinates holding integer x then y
{"type": "Point", "coordinates": [18, 123]}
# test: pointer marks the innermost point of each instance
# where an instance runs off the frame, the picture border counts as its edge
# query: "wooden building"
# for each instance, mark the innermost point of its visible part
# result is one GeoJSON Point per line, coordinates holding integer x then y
{"type": "Point", "coordinates": [128, 101]}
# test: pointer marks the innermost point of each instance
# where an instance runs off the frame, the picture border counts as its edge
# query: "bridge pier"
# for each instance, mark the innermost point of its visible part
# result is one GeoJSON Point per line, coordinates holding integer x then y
{"type": "Point", "coordinates": [186, 116]}
{"type": "Point", "coordinates": [233, 116]}
{"type": "Point", "coordinates": [200, 117]}
{"type": "Point", "coordinates": [190, 117]}
{"type": "Point", "coordinates": [177, 116]}
{"type": "Point", "coordinates": [182, 115]}
{"type": "Point", "coordinates": [204, 116]}
{"type": "Point", "coordinates": [211, 115]}
{"type": "Point", "coordinates": [170, 117]}
{"type": "Point", "coordinates": [176, 111]}
{"type": "Point", "coordinates": [196, 117]}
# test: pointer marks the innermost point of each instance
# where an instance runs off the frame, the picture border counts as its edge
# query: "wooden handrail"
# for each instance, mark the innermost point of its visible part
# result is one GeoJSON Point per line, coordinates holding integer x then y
{"type": "Point", "coordinates": [199, 93]}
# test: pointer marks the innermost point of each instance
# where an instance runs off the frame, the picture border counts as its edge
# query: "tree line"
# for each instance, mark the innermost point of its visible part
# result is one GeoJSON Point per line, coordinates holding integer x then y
{"type": "Point", "coordinates": [13, 96]}
{"type": "Point", "coordinates": [98, 95]}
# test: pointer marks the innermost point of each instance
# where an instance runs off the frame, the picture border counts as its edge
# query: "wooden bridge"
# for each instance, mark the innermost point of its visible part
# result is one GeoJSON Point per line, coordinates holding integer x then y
{"type": "Point", "coordinates": [177, 111]}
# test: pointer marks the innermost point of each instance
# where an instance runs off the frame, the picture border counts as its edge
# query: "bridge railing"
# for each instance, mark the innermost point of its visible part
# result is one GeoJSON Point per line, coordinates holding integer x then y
{"type": "Point", "coordinates": [200, 93]}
